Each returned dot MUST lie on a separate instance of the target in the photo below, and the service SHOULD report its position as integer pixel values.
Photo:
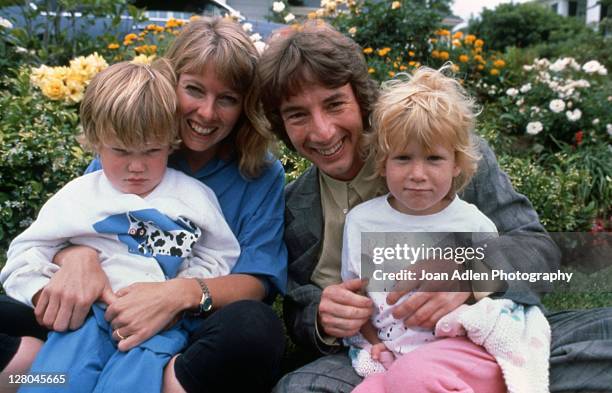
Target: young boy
(148, 222)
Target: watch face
(207, 305)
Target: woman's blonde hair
(133, 104)
(222, 44)
(429, 108)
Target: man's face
(325, 127)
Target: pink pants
(449, 365)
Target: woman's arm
(142, 310)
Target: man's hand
(342, 311)
(66, 300)
(431, 299)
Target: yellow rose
(75, 91)
(143, 59)
(54, 88)
(38, 74)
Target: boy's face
(134, 171)
(325, 127)
(420, 180)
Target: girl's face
(418, 180)
(209, 110)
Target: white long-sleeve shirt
(138, 238)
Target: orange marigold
(499, 63)
(464, 58)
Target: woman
(225, 145)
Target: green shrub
(522, 25)
(293, 163)
(401, 26)
(43, 40)
(38, 153)
(557, 193)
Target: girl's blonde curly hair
(430, 108)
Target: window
(572, 8)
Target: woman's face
(209, 110)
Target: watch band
(206, 301)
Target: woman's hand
(342, 312)
(66, 300)
(142, 310)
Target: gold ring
(119, 334)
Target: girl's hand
(381, 353)
(142, 310)
(377, 349)
(66, 300)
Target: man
(318, 96)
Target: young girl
(426, 152)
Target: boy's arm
(29, 264)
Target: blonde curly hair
(430, 108)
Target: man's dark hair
(314, 53)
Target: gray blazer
(523, 244)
